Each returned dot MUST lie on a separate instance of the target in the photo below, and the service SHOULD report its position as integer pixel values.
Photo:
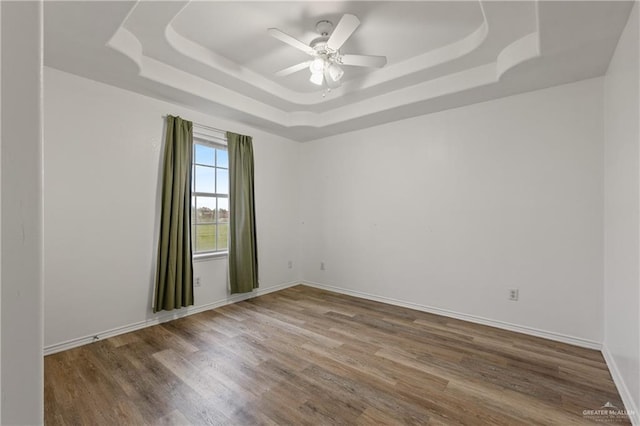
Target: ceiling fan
(325, 51)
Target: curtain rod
(202, 126)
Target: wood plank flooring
(304, 356)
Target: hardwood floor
(307, 356)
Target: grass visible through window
(206, 235)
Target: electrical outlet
(290, 264)
(514, 294)
(322, 266)
(197, 282)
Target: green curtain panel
(174, 278)
(243, 248)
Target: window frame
(214, 138)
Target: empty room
(318, 212)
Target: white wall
(102, 160)
(21, 180)
(452, 209)
(622, 215)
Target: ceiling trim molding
(290, 100)
(126, 43)
(459, 56)
(433, 58)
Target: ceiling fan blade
(331, 83)
(364, 60)
(347, 25)
(293, 69)
(286, 38)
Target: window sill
(207, 256)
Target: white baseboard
(623, 390)
(69, 344)
(577, 341)
(558, 337)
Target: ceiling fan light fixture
(316, 78)
(335, 72)
(317, 66)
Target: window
(210, 196)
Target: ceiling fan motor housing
(319, 44)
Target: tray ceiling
(218, 58)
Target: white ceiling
(216, 56)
